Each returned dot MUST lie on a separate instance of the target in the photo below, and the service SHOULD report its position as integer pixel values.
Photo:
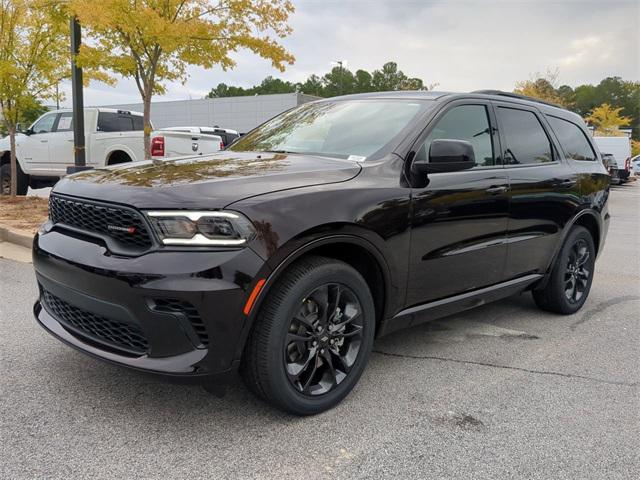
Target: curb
(17, 238)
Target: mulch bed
(23, 213)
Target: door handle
(496, 189)
(44, 141)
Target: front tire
(570, 281)
(5, 180)
(312, 337)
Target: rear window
(527, 142)
(573, 139)
(118, 122)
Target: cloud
(462, 45)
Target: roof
(404, 94)
(546, 107)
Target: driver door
(34, 148)
(459, 224)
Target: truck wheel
(572, 274)
(5, 180)
(312, 337)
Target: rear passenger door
(543, 188)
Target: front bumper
(177, 314)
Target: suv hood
(208, 182)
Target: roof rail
(517, 95)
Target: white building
(238, 113)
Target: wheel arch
(355, 251)
(118, 154)
(586, 218)
(119, 151)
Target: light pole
(77, 100)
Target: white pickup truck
(45, 149)
(182, 141)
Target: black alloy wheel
(324, 339)
(570, 279)
(577, 272)
(311, 338)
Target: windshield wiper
(280, 151)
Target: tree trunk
(146, 102)
(14, 162)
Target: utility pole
(77, 100)
(340, 84)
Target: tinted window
(45, 124)
(573, 139)
(526, 140)
(357, 128)
(114, 122)
(65, 122)
(138, 122)
(466, 122)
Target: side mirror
(445, 156)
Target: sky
(460, 45)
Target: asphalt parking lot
(504, 391)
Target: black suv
(334, 223)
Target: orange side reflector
(252, 298)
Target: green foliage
(585, 99)
(613, 91)
(338, 81)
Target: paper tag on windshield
(356, 158)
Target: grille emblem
(122, 229)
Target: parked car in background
(45, 149)
(339, 221)
(183, 141)
(635, 164)
(608, 160)
(620, 150)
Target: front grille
(118, 334)
(123, 225)
(173, 305)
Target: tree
(33, 108)
(388, 78)
(607, 120)
(153, 41)
(543, 87)
(34, 57)
(614, 91)
(339, 81)
(313, 86)
(363, 81)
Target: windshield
(353, 129)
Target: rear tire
(5, 180)
(570, 280)
(312, 337)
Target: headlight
(212, 228)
